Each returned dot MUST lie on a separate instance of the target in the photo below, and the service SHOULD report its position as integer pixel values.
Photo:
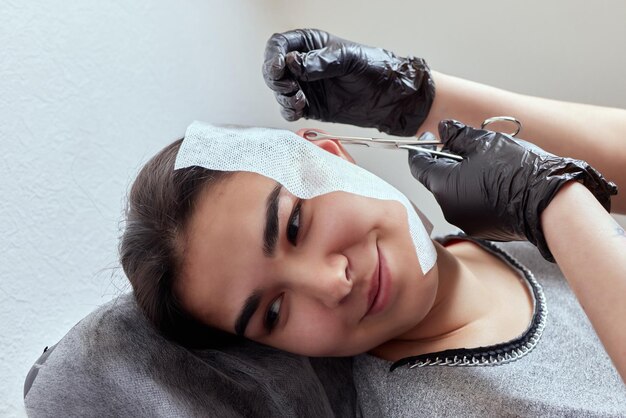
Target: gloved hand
(502, 185)
(319, 76)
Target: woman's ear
(331, 145)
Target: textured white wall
(90, 90)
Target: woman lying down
(259, 233)
(318, 257)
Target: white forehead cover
(304, 169)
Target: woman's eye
(294, 224)
(273, 314)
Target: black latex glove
(319, 76)
(502, 185)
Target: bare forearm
(591, 133)
(590, 248)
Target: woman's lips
(374, 284)
(378, 296)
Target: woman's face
(303, 275)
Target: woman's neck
(462, 303)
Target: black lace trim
(494, 354)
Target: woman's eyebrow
(270, 233)
(249, 308)
(270, 237)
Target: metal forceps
(414, 144)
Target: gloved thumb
(459, 138)
(427, 168)
(450, 129)
(317, 64)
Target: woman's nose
(328, 280)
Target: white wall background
(89, 90)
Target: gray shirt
(567, 373)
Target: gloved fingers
(427, 168)
(275, 77)
(322, 63)
(302, 40)
(276, 48)
(294, 103)
(289, 114)
(286, 86)
(462, 139)
(280, 44)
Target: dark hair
(160, 204)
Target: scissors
(414, 144)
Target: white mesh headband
(302, 168)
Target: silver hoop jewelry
(494, 119)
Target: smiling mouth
(382, 286)
(375, 284)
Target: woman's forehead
(227, 214)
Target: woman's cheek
(319, 337)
